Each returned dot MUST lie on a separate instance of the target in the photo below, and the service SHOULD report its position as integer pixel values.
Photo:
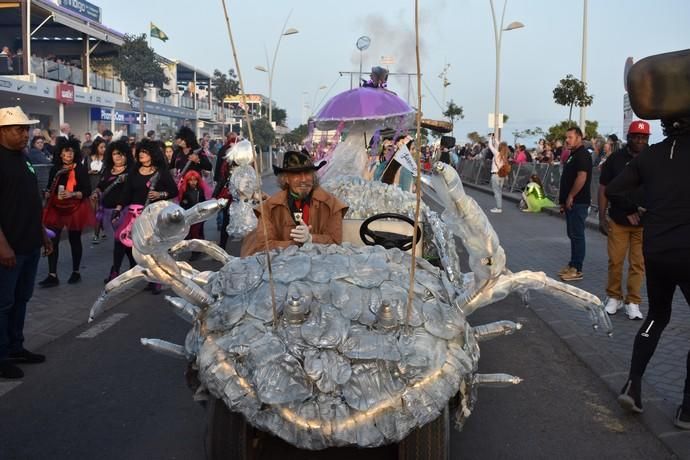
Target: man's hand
(7, 257)
(194, 157)
(569, 202)
(115, 216)
(300, 234)
(153, 195)
(603, 225)
(634, 218)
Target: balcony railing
(58, 71)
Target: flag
(157, 33)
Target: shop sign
(83, 8)
(204, 114)
(65, 93)
(121, 116)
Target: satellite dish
(363, 42)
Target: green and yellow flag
(157, 33)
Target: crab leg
(108, 298)
(203, 211)
(467, 220)
(164, 347)
(525, 280)
(209, 248)
(490, 331)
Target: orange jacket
(326, 214)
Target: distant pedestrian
(574, 198)
(21, 238)
(190, 194)
(662, 170)
(499, 171)
(38, 154)
(623, 227)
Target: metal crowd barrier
(478, 172)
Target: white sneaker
(633, 311)
(613, 305)
(496, 210)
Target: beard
(303, 190)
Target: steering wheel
(388, 240)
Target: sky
(455, 32)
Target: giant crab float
(322, 346)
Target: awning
(96, 30)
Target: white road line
(104, 325)
(6, 387)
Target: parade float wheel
(430, 441)
(228, 435)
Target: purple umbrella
(363, 104)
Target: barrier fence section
(478, 172)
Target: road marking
(6, 387)
(104, 325)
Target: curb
(658, 412)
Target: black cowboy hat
(295, 162)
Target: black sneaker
(74, 278)
(10, 371)
(156, 289)
(49, 281)
(630, 398)
(682, 419)
(26, 357)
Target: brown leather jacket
(325, 219)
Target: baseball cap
(639, 127)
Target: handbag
(504, 170)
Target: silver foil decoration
(349, 373)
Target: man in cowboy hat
(21, 236)
(301, 212)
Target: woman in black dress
(148, 181)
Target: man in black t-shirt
(574, 198)
(21, 237)
(623, 227)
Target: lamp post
(271, 70)
(583, 77)
(498, 34)
(313, 103)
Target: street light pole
(271, 71)
(583, 77)
(498, 35)
(316, 93)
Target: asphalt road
(107, 397)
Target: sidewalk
(538, 242)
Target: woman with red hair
(190, 193)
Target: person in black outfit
(21, 238)
(574, 198)
(189, 156)
(139, 189)
(117, 163)
(67, 206)
(662, 170)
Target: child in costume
(533, 197)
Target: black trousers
(74, 237)
(119, 252)
(223, 232)
(665, 272)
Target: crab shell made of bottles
(341, 360)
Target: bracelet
(164, 195)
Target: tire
(227, 433)
(432, 441)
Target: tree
(263, 133)
(139, 66)
(224, 85)
(297, 135)
(475, 138)
(572, 92)
(279, 116)
(536, 132)
(452, 112)
(558, 131)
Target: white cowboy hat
(12, 116)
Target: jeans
(497, 187)
(575, 226)
(16, 289)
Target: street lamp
(498, 33)
(313, 104)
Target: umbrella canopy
(363, 104)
